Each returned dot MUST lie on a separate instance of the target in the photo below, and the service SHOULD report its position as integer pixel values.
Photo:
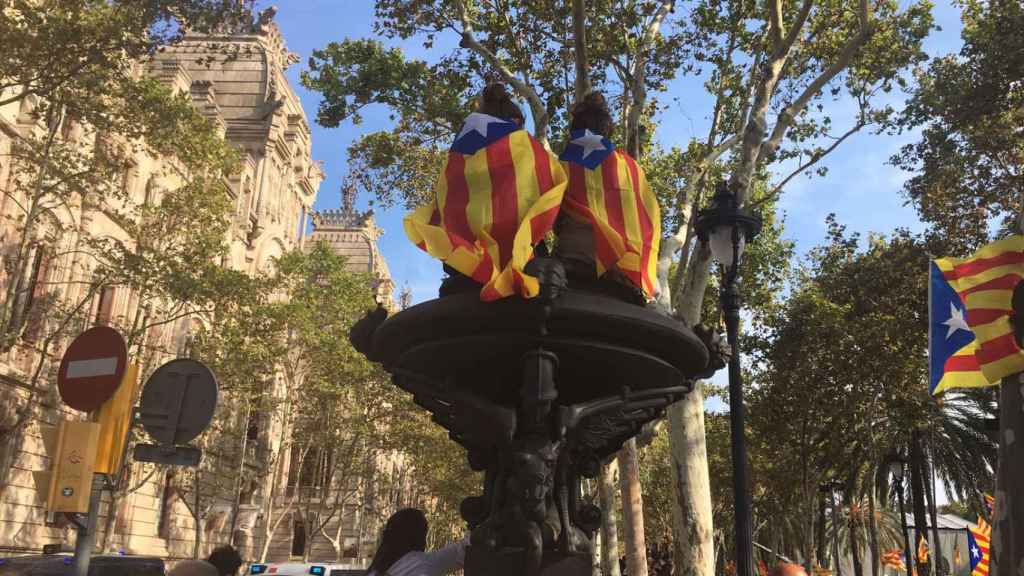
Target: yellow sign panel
(72, 470)
(115, 420)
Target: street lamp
(896, 467)
(727, 229)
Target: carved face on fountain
(534, 474)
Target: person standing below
(226, 559)
(402, 549)
(193, 568)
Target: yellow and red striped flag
(985, 283)
(978, 545)
(894, 559)
(608, 189)
(498, 194)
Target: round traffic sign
(92, 368)
(178, 401)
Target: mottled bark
(632, 510)
(609, 532)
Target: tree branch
(579, 30)
(537, 108)
(814, 159)
(775, 26)
(798, 25)
(790, 112)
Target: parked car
(63, 565)
(305, 569)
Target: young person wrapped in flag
(610, 224)
(497, 196)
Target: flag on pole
(990, 505)
(922, 550)
(978, 542)
(957, 558)
(951, 342)
(608, 190)
(498, 194)
(985, 283)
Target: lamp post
(727, 228)
(897, 465)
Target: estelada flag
(985, 284)
(609, 190)
(978, 545)
(922, 550)
(498, 194)
(951, 342)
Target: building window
(35, 292)
(311, 473)
(298, 538)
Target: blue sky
(860, 187)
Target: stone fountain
(540, 392)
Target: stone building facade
(249, 98)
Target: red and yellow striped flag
(497, 196)
(922, 550)
(985, 283)
(608, 189)
(979, 543)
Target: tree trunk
(855, 549)
(917, 493)
(692, 520)
(579, 32)
(808, 549)
(632, 510)
(609, 533)
(873, 532)
(935, 552)
(197, 515)
(821, 552)
(1008, 531)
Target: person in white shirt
(402, 549)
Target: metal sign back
(178, 402)
(170, 455)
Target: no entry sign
(92, 368)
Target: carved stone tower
(354, 235)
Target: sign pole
(86, 537)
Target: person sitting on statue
(610, 223)
(497, 196)
(402, 549)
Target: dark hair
(592, 113)
(405, 531)
(226, 559)
(495, 101)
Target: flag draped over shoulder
(978, 543)
(985, 283)
(498, 194)
(609, 190)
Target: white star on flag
(975, 552)
(589, 142)
(956, 321)
(477, 122)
